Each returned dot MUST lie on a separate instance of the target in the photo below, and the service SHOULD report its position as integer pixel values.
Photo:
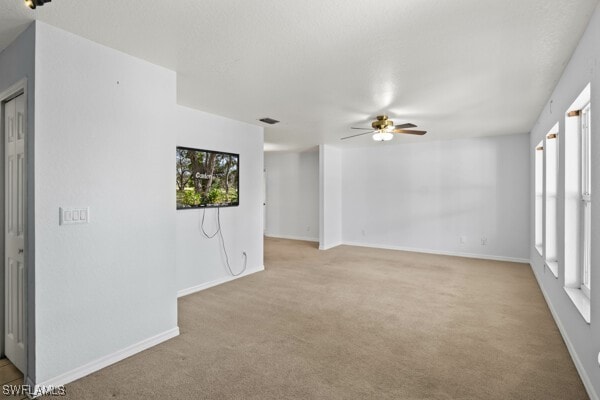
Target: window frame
(586, 198)
(550, 223)
(576, 145)
(539, 179)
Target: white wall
(582, 339)
(426, 196)
(200, 261)
(104, 139)
(17, 62)
(330, 197)
(109, 125)
(292, 206)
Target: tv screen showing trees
(207, 178)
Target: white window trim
(539, 198)
(581, 302)
(577, 203)
(550, 199)
(586, 198)
(553, 267)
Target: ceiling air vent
(269, 121)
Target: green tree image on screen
(206, 178)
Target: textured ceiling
(460, 68)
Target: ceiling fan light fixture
(383, 129)
(382, 136)
(34, 3)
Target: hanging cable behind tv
(219, 232)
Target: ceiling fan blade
(364, 129)
(358, 134)
(404, 126)
(409, 131)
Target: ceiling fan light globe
(378, 137)
(387, 136)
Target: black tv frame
(237, 203)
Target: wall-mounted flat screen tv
(207, 178)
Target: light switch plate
(74, 215)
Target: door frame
(264, 202)
(19, 88)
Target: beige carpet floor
(355, 323)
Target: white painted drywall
(330, 197)
(582, 339)
(17, 62)
(200, 261)
(292, 206)
(105, 138)
(426, 196)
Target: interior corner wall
(582, 339)
(442, 197)
(330, 197)
(17, 62)
(292, 195)
(105, 139)
(200, 261)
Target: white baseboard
(444, 253)
(330, 246)
(292, 237)
(206, 285)
(585, 378)
(103, 362)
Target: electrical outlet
(483, 241)
(308, 229)
(362, 231)
(462, 239)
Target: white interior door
(14, 269)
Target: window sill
(581, 302)
(539, 249)
(553, 266)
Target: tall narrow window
(578, 203)
(539, 197)
(586, 198)
(551, 198)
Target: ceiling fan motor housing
(382, 122)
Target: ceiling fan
(383, 129)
